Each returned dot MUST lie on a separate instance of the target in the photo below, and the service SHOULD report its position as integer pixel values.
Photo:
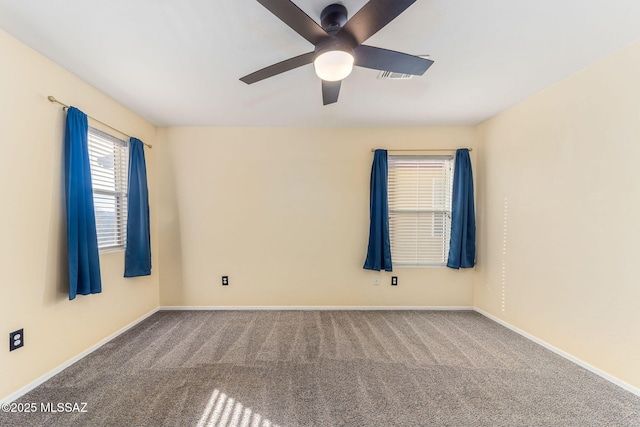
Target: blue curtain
(379, 251)
(137, 258)
(462, 248)
(82, 239)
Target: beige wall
(559, 215)
(33, 282)
(285, 214)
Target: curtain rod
(65, 106)
(423, 149)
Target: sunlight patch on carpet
(223, 410)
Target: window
(109, 160)
(420, 189)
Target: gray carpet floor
(326, 368)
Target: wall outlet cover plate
(16, 339)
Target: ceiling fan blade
(330, 92)
(295, 18)
(390, 60)
(280, 67)
(373, 16)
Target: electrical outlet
(16, 339)
(376, 280)
(394, 280)
(225, 280)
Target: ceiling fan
(338, 43)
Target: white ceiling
(177, 63)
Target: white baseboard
(316, 307)
(562, 353)
(24, 390)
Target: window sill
(419, 266)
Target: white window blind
(109, 160)
(420, 190)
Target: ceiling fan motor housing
(333, 17)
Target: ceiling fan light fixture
(333, 65)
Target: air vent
(390, 75)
